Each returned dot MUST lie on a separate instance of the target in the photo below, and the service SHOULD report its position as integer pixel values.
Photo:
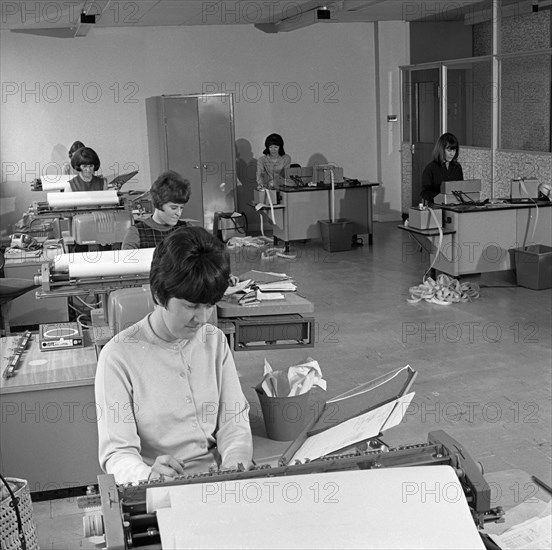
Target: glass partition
(469, 97)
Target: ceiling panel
(268, 15)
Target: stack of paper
(263, 277)
(262, 296)
(257, 286)
(242, 286)
(267, 281)
(278, 286)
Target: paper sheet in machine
(415, 507)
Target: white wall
(315, 86)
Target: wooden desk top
(41, 370)
(292, 303)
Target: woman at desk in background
(172, 375)
(443, 167)
(271, 166)
(86, 162)
(67, 168)
(170, 192)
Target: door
(426, 122)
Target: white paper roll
(54, 182)
(83, 198)
(105, 263)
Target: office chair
(10, 289)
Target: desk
(48, 429)
(27, 310)
(270, 324)
(299, 208)
(480, 239)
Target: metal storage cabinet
(194, 136)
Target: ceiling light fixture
(86, 22)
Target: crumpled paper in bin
(296, 380)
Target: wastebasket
(533, 265)
(15, 524)
(337, 236)
(284, 417)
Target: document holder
(371, 396)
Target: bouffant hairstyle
(85, 155)
(170, 187)
(189, 264)
(274, 139)
(75, 147)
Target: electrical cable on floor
(445, 290)
(259, 242)
(278, 252)
(255, 242)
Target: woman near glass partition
(443, 167)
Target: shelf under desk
(269, 325)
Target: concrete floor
(484, 368)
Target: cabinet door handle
(196, 167)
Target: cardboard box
(421, 218)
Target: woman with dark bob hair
(86, 162)
(271, 166)
(443, 167)
(175, 371)
(170, 192)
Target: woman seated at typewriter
(67, 168)
(169, 397)
(443, 167)
(86, 162)
(272, 165)
(169, 193)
